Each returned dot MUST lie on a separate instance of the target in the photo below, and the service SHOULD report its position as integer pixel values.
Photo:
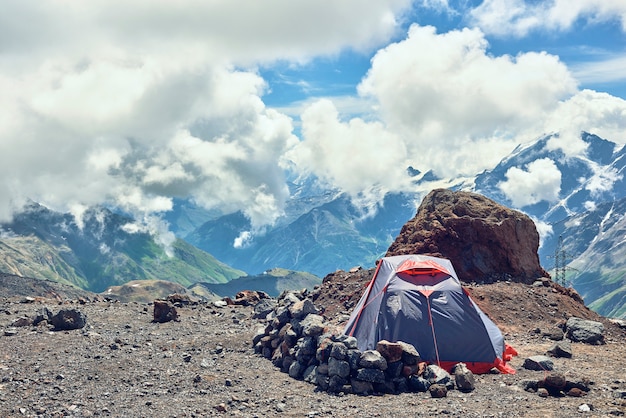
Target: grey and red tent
(419, 299)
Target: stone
(336, 383)
(248, 297)
(348, 341)
(302, 308)
(360, 387)
(180, 300)
(10, 332)
(164, 311)
(394, 369)
(410, 355)
(464, 378)
(23, 321)
(312, 325)
(305, 349)
(371, 375)
(68, 319)
(561, 349)
(288, 298)
(372, 359)
(438, 391)
(338, 368)
(309, 374)
(575, 392)
(338, 351)
(585, 331)
(392, 352)
(554, 383)
(282, 315)
(264, 308)
(354, 357)
(44, 314)
(295, 370)
(386, 386)
(220, 303)
(540, 363)
(418, 383)
(436, 375)
(555, 334)
(485, 241)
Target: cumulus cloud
(132, 104)
(519, 17)
(591, 111)
(539, 180)
(357, 156)
(459, 108)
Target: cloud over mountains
(135, 104)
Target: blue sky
(584, 45)
(135, 104)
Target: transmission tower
(561, 258)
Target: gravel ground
(124, 365)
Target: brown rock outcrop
(485, 241)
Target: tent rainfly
(419, 299)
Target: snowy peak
(550, 180)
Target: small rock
(582, 330)
(22, 322)
(68, 319)
(372, 359)
(371, 375)
(392, 352)
(338, 368)
(576, 392)
(263, 308)
(464, 378)
(561, 349)
(538, 363)
(438, 391)
(221, 407)
(302, 308)
(312, 325)
(164, 311)
(361, 387)
(10, 332)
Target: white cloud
(134, 103)
(357, 156)
(609, 69)
(591, 111)
(540, 180)
(519, 17)
(458, 108)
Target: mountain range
(99, 252)
(578, 207)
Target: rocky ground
(121, 364)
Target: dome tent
(418, 299)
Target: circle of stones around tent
(298, 341)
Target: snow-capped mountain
(549, 183)
(575, 196)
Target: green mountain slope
(100, 253)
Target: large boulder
(484, 240)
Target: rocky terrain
(124, 364)
(113, 359)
